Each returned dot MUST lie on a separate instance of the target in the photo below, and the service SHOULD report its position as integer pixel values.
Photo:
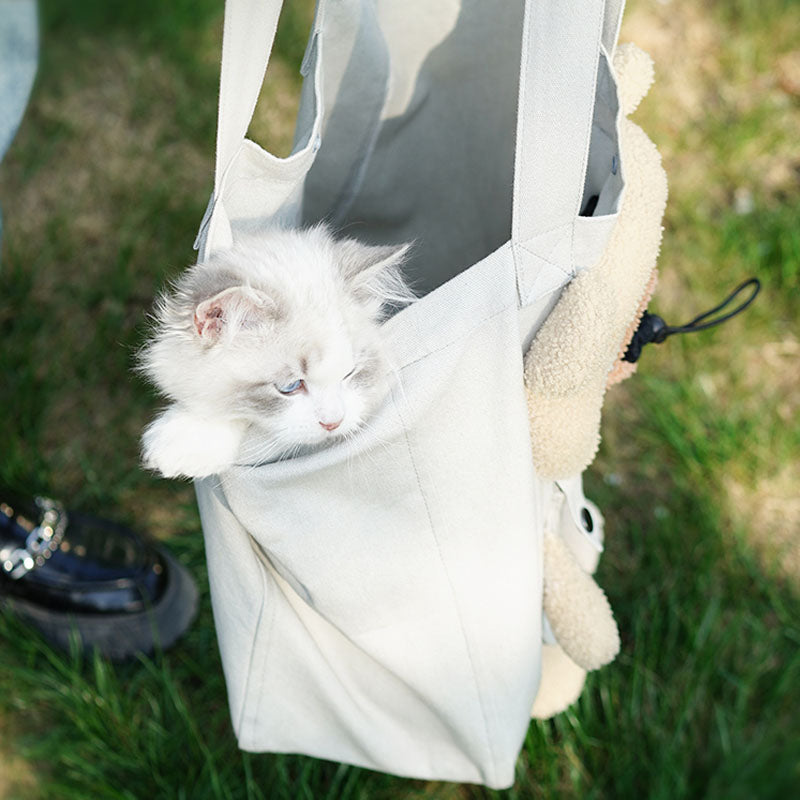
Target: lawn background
(698, 475)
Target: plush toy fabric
(575, 356)
(577, 350)
(577, 608)
(582, 629)
(561, 684)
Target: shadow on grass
(700, 703)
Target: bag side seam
(481, 704)
(254, 647)
(462, 335)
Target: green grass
(102, 193)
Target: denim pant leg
(19, 52)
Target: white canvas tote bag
(379, 603)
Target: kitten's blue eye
(291, 388)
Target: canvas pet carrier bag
(379, 602)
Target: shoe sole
(120, 636)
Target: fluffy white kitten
(278, 337)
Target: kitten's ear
(374, 273)
(230, 309)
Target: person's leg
(65, 572)
(19, 53)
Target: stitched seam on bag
(568, 275)
(535, 297)
(359, 743)
(546, 254)
(462, 335)
(544, 231)
(253, 647)
(284, 587)
(481, 704)
(524, 285)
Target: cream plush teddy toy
(582, 632)
(574, 357)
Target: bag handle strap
(612, 22)
(550, 78)
(247, 38)
(561, 49)
(558, 70)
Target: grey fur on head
(279, 336)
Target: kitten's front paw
(178, 444)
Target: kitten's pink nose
(331, 426)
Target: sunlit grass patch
(767, 239)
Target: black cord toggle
(652, 328)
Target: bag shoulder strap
(611, 24)
(248, 35)
(558, 73)
(561, 47)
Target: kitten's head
(281, 331)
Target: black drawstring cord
(653, 329)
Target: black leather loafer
(65, 571)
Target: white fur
(278, 307)
(179, 444)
